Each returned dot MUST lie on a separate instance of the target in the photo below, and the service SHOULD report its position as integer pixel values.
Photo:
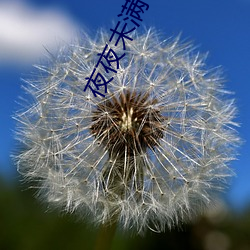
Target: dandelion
(152, 153)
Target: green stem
(105, 236)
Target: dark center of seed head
(128, 124)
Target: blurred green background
(27, 225)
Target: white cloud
(25, 31)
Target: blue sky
(221, 27)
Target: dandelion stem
(105, 236)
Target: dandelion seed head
(152, 153)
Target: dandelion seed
(151, 154)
